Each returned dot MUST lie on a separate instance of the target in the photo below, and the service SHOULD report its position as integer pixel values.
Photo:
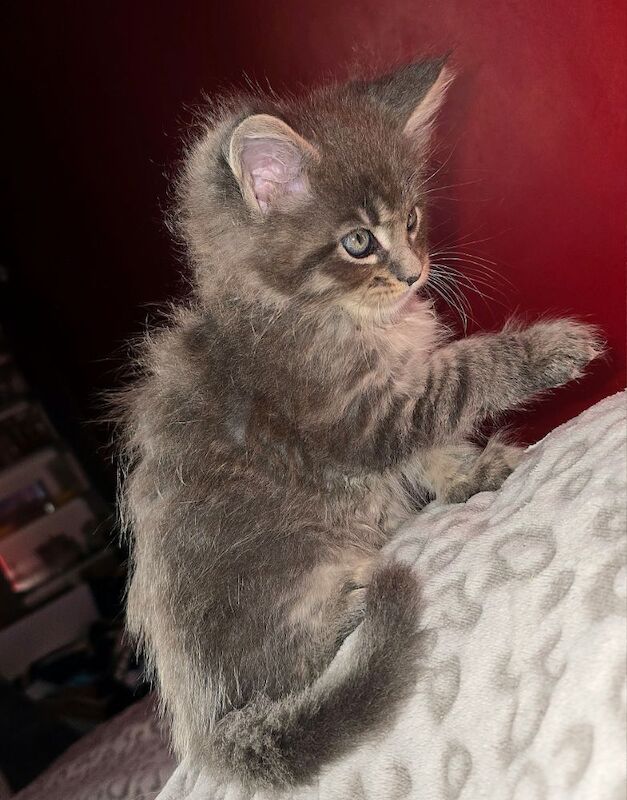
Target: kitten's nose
(412, 279)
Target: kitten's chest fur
(374, 503)
(264, 432)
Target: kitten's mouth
(411, 299)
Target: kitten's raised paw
(560, 350)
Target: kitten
(290, 417)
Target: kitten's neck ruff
(409, 340)
(411, 323)
(319, 355)
(409, 304)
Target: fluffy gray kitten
(289, 418)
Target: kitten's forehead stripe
(371, 210)
(385, 215)
(383, 237)
(377, 211)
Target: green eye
(412, 219)
(359, 243)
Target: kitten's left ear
(413, 94)
(268, 159)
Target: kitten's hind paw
(495, 464)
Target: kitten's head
(317, 203)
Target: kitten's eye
(359, 243)
(412, 219)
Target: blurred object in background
(63, 660)
(53, 524)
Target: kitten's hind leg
(352, 612)
(477, 470)
(331, 599)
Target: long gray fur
(282, 427)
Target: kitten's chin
(410, 303)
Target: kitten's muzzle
(410, 268)
(418, 280)
(411, 300)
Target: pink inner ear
(273, 168)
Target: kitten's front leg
(472, 379)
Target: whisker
(476, 275)
(444, 164)
(450, 274)
(481, 265)
(451, 296)
(447, 301)
(465, 253)
(460, 298)
(467, 241)
(450, 186)
(488, 298)
(472, 261)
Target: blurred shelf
(46, 629)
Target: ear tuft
(422, 118)
(413, 94)
(268, 160)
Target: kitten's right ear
(268, 160)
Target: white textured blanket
(522, 695)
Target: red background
(98, 94)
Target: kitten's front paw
(560, 350)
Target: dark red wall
(97, 95)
